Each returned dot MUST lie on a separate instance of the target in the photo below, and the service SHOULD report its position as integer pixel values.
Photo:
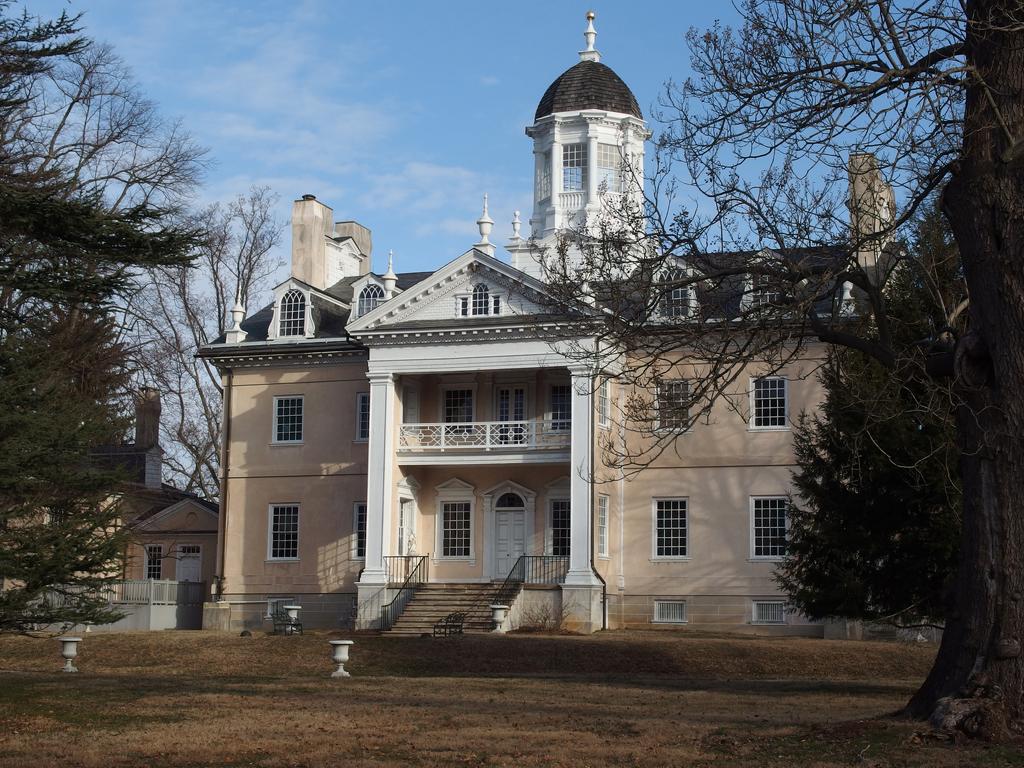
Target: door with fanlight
(509, 533)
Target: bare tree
(805, 100)
(181, 309)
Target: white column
(591, 165)
(580, 536)
(379, 481)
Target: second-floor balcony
(485, 436)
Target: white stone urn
(498, 615)
(339, 655)
(293, 617)
(69, 650)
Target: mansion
(399, 445)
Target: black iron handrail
(417, 575)
(398, 567)
(527, 569)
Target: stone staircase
(432, 602)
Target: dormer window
(292, 314)
(478, 302)
(764, 290)
(677, 300)
(370, 297)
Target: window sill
(768, 429)
(361, 440)
(284, 443)
(671, 559)
(765, 559)
(604, 557)
(281, 560)
(677, 623)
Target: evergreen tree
(67, 258)
(875, 526)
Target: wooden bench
(450, 625)
(285, 624)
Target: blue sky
(400, 115)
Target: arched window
(509, 500)
(292, 314)
(481, 300)
(369, 298)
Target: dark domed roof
(588, 85)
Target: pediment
(471, 290)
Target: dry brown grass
(177, 699)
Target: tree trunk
(977, 682)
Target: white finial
(485, 224)
(390, 279)
(516, 224)
(235, 334)
(590, 53)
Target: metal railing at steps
(417, 574)
(528, 569)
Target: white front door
(509, 539)
(190, 563)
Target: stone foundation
(335, 610)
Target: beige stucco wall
(325, 475)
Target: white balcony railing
(486, 436)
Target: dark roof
(127, 460)
(329, 320)
(588, 85)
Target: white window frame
(603, 506)
(686, 615)
(456, 499)
(274, 424)
(362, 397)
(549, 544)
(753, 540)
(362, 300)
(270, 531)
(755, 618)
(662, 427)
(654, 529)
(355, 530)
(542, 182)
(751, 425)
(575, 155)
(604, 403)
(549, 410)
(456, 387)
(159, 559)
(610, 175)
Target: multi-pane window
(609, 167)
(574, 167)
(363, 416)
(602, 525)
(543, 191)
(288, 419)
(670, 611)
(458, 406)
(284, 531)
(481, 300)
(292, 314)
(560, 526)
(769, 612)
(369, 298)
(604, 403)
(673, 403)
(769, 406)
(456, 528)
(678, 298)
(670, 528)
(155, 561)
(764, 290)
(359, 528)
(561, 406)
(769, 526)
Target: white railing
(156, 592)
(486, 436)
(571, 200)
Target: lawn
(618, 698)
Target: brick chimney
(147, 434)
